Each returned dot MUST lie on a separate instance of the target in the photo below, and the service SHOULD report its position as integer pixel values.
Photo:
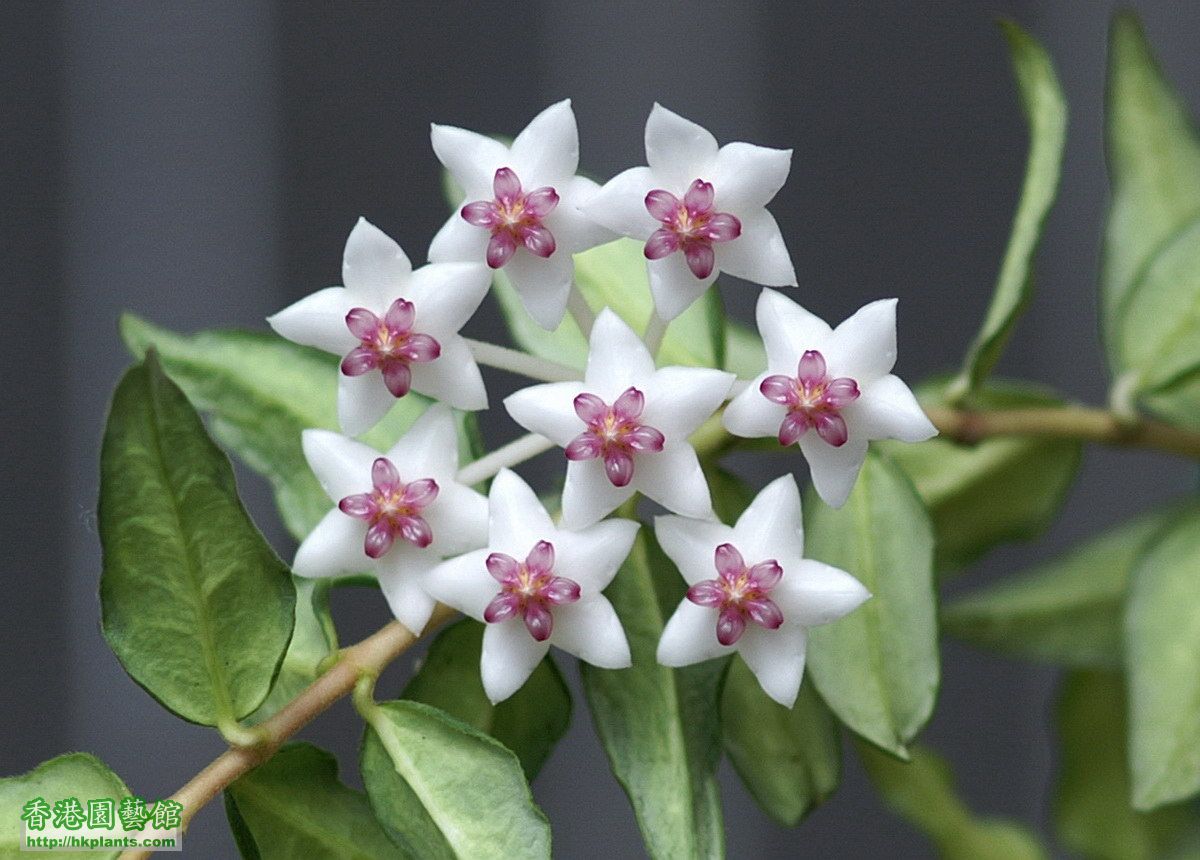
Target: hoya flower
(700, 210)
(396, 514)
(625, 426)
(751, 590)
(535, 586)
(521, 209)
(830, 390)
(395, 329)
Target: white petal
(692, 545)
(863, 347)
(459, 241)
(750, 415)
(374, 268)
(318, 320)
(362, 401)
(573, 231)
(833, 470)
(759, 254)
(446, 295)
(776, 657)
(673, 478)
(543, 284)
(788, 330)
(548, 410)
(342, 465)
(429, 446)
(588, 495)
(771, 527)
(678, 150)
(509, 657)
(620, 204)
(690, 636)
(617, 358)
(453, 377)
(471, 158)
(746, 176)
(680, 399)
(813, 593)
(401, 573)
(517, 519)
(592, 557)
(887, 409)
(673, 285)
(333, 548)
(463, 583)
(591, 630)
(458, 518)
(547, 150)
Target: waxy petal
(618, 466)
(690, 544)
(541, 201)
(342, 465)
(673, 478)
(422, 348)
(767, 574)
(629, 405)
(362, 323)
(617, 358)
(759, 253)
(333, 548)
(764, 612)
(888, 410)
(504, 568)
(384, 475)
(748, 176)
(318, 320)
(864, 345)
(588, 495)
(561, 590)
(361, 506)
(662, 243)
(397, 376)
(689, 636)
(540, 558)
(400, 316)
(793, 426)
(678, 150)
(620, 204)
(590, 408)
(699, 197)
(516, 517)
(506, 186)
(700, 258)
(460, 582)
(722, 227)
(509, 657)
(454, 379)
(787, 329)
(728, 561)
(645, 439)
(585, 446)
(832, 428)
(538, 621)
(500, 249)
(662, 205)
(503, 607)
(674, 286)
(779, 389)
(811, 369)
(538, 240)
(841, 391)
(379, 540)
(420, 493)
(358, 361)
(834, 470)
(481, 213)
(547, 149)
(374, 267)
(471, 158)
(708, 592)
(731, 624)
(751, 415)
(593, 555)
(816, 593)
(401, 580)
(776, 657)
(362, 402)
(544, 283)
(416, 531)
(548, 410)
(772, 527)
(591, 630)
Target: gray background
(203, 163)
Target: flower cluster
(407, 514)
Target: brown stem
(1084, 423)
(368, 657)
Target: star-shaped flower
(625, 426)
(396, 514)
(521, 210)
(395, 328)
(752, 591)
(700, 210)
(830, 390)
(536, 586)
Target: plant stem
(1084, 423)
(512, 454)
(522, 363)
(581, 310)
(366, 659)
(656, 330)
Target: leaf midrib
(301, 823)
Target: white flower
(395, 328)
(536, 586)
(520, 212)
(397, 514)
(752, 591)
(625, 426)
(700, 211)
(831, 390)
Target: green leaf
(922, 792)
(530, 722)
(77, 775)
(614, 276)
(1067, 611)
(1092, 812)
(877, 668)
(1000, 490)
(1178, 401)
(293, 805)
(730, 494)
(1045, 110)
(1162, 655)
(193, 600)
(660, 726)
(1159, 328)
(789, 759)
(443, 789)
(262, 392)
(1153, 165)
(313, 639)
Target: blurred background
(202, 164)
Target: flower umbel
(613, 433)
(812, 400)
(690, 225)
(514, 218)
(389, 345)
(392, 509)
(529, 589)
(741, 594)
